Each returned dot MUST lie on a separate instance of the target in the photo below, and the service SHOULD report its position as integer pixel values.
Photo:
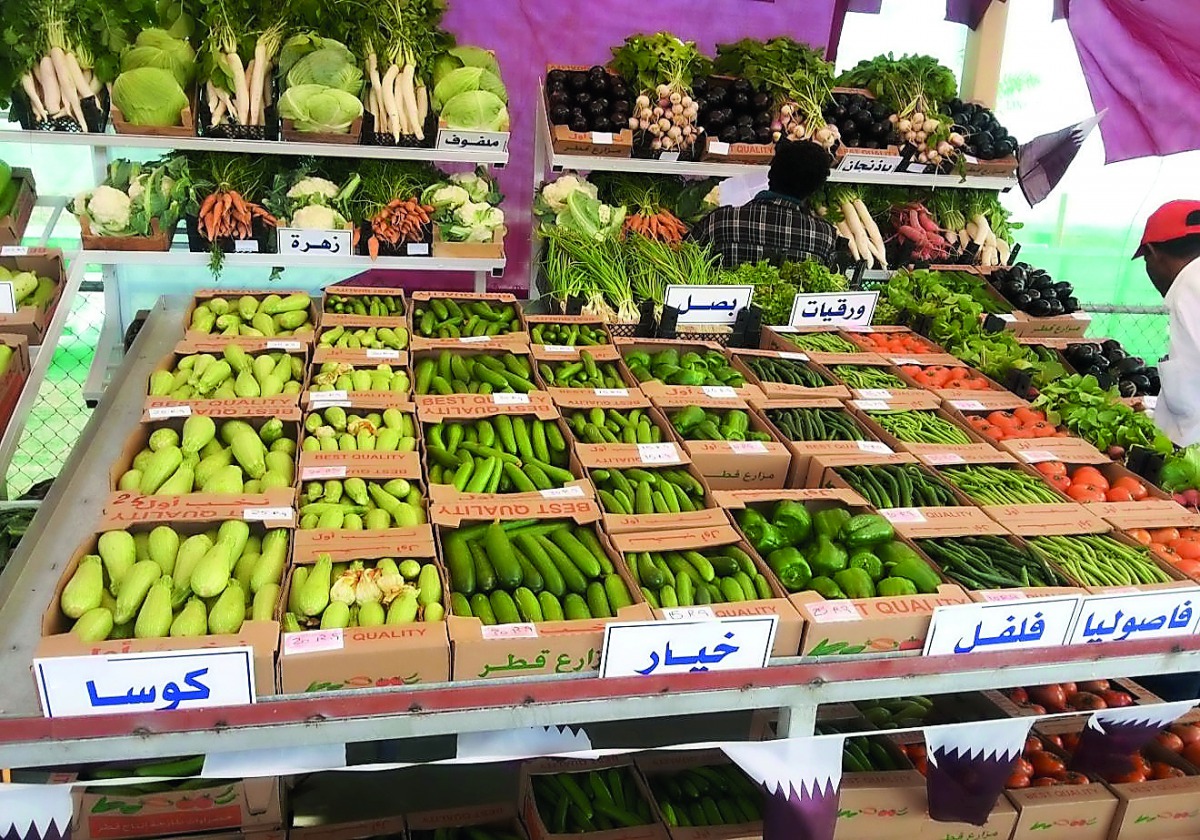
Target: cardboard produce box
(909, 370)
(1063, 812)
(12, 382)
(594, 322)
(1021, 324)
(31, 321)
(655, 766)
(1157, 509)
(423, 359)
(231, 297)
(1063, 448)
(348, 544)
(844, 372)
(732, 464)
(430, 407)
(994, 594)
(921, 401)
(652, 457)
(615, 144)
(359, 356)
(274, 505)
(803, 451)
(58, 640)
(248, 807)
(875, 339)
(786, 338)
(395, 320)
(12, 226)
(550, 360)
(532, 817)
(881, 805)
(788, 630)
(548, 647)
(576, 404)
(350, 362)
(163, 407)
(364, 463)
(420, 300)
(656, 388)
(364, 657)
(501, 817)
(783, 390)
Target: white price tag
(475, 339)
(327, 397)
(1157, 614)
(126, 683)
(510, 631)
(903, 360)
(748, 447)
(997, 596)
(611, 392)
(381, 353)
(315, 244)
(874, 393)
(165, 412)
(795, 357)
(669, 156)
(1007, 318)
(281, 344)
(558, 348)
(658, 453)
(1081, 316)
(417, 249)
(266, 514)
(1037, 456)
(716, 147)
(875, 446)
(245, 246)
(642, 648)
(1006, 625)
(688, 614)
(312, 641)
(870, 405)
(602, 138)
(14, 251)
(573, 491)
(941, 459)
(720, 392)
(8, 299)
(968, 405)
(321, 473)
(500, 398)
(828, 612)
(901, 516)
(1150, 403)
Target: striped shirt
(769, 227)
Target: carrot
(373, 247)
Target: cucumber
(530, 576)
(504, 607)
(459, 605)
(551, 608)
(589, 539)
(481, 607)
(617, 592)
(485, 575)
(528, 605)
(652, 576)
(573, 579)
(502, 557)
(588, 565)
(460, 564)
(537, 557)
(597, 601)
(575, 608)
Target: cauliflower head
(555, 194)
(308, 188)
(108, 209)
(476, 187)
(317, 217)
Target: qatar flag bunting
(1113, 736)
(801, 780)
(35, 812)
(968, 764)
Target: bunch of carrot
(664, 226)
(400, 220)
(225, 213)
(941, 377)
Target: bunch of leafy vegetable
(135, 195)
(315, 195)
(1181, 471)
(573, 203)
(791, 73)
(650, 60)
(775, 288)
(1098, 416)
(909, 84)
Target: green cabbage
(304, 43)
(476, 110)
(444, 65)
(466, 79)
(316, 108)
(156, 48)
(149, 96)
(327, 67)
(477, 57)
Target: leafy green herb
(662, 58)
(1098, 416)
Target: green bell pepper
(794, 520)
(902, 562)
(867, 529)
(826, 588)
(829, 558)
(791, 568)
(856, 583)
(828, 523)
(688, 418)
(869, 562)
(764, 536)
(892, 587)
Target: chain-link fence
(59, 414)
(1142, 330)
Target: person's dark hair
(1184, 248)
(799, 168)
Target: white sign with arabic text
(645, 648)
(834, 309)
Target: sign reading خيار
(645, 648)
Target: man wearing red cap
(1171, 247)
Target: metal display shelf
(794, 686)
(258, 147)
(180, 258)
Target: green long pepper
(816, 424)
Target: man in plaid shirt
(776, 224)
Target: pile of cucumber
(450, 318)
(695, 578)
(499, 455)
(644, 491)
(482, 373)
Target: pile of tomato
(894, 343)
(1178, 546)
(944, 378)
(1069, 697)
(1041, 766)
(1020, 423)
(1087, 484)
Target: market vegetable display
(340, 376)
(689, 368)
(645, 491)
(784, 371)
(950, 378)
(989, 485)
(353, 504)
(696, 423)
(862, 377)
(776, 287)
(1018, 424)
(502, 454)
(720, 794)
(920, 427)
(1100, 560)
(334, 430)
(136, 198)
(820, 342)
(160, 582)
(568, 335)
(584, 373)
(209, 457)
(307, 201)
(599, 800)
(365, 338)
(450, 318)
(238, 54)
(321, 83)
(1178, 546)
(531, 571)
(484, 373)
(1087, 484)
(985, 137)
(989, 562)
(687, 578)
(834, 553)
(1098, 416)
(899, 343)
(29, 288)
(266, 317)
(375, 306)
(592, 100)
(815, 424)
(370, 593)
(1109, 362)
(1034, 291)
(598, 425)
(467, 207)
(237, 373)
(897, 486)
(734, 112)
(472, 97)
(233, 187)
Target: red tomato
(1072, 778)
(1051, 468)
(1082, 492)
(1033, 744)
(1170, 741)
(1141, 535)
(1115, 699)
(1191, 568)
(1189, 733)
(1017, 781)
(1053, 697)
(1023, 766)
(1162, 770)
(1118, 494)
(1053, 740)
(1192, 752)
(1135, 487)
(1045, 781)
(1018, 695)
(1090, 475)
(1164, 535)
(1085, 701)
(1046, 763)
(1186, 549)
(1069, 742)
(1095, 685)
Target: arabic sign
(121, 683)
(642, 648)
(8, 300)
(876, 164)
(315, 243)
(490, 141)
(840, 309)
(1137, 615)
(1007, 625)
(708, 304)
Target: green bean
(814, 424)
(1099, 560)
(862, 377)
(988, 485)
(785, 371)
(990, 562)
(821, 342)
(920, 427)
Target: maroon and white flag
(35, 812)
(968, 764)
(1113, 736)
(801, 779)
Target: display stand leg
(798, 721)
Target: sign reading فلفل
(708, 304)
(156, 681)
(652, 648)
(834, 309)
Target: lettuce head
(465, 79)
(476, 110)
(317, 108)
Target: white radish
(858, 231)
(218, 113)
(872, 231)
(225, 106)
(982, 229)
(422, 104)
(82, 87)
(951, 238)
(70, 96)
(844, 232)
(406, 126)
(51, 95)
(388, 87)
(251, 67)
(210, 96)
(241, 90)
(35, 101)
(257, 71)
(408, 92)
(1005, 250)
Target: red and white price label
(475, 339)
(267, 514)
(558, 348)
(748, 447)
(833, 611)
(165, 412)
(689, 614)
(903, 360)
(898, 516)
(1000, 595)
(940, 459)
(874, 393)
(500, 398)
(312, 641)
(510, 631)
(795, 357)
(658, 453)
(318, 473)
(327, 397)
(871, 405)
